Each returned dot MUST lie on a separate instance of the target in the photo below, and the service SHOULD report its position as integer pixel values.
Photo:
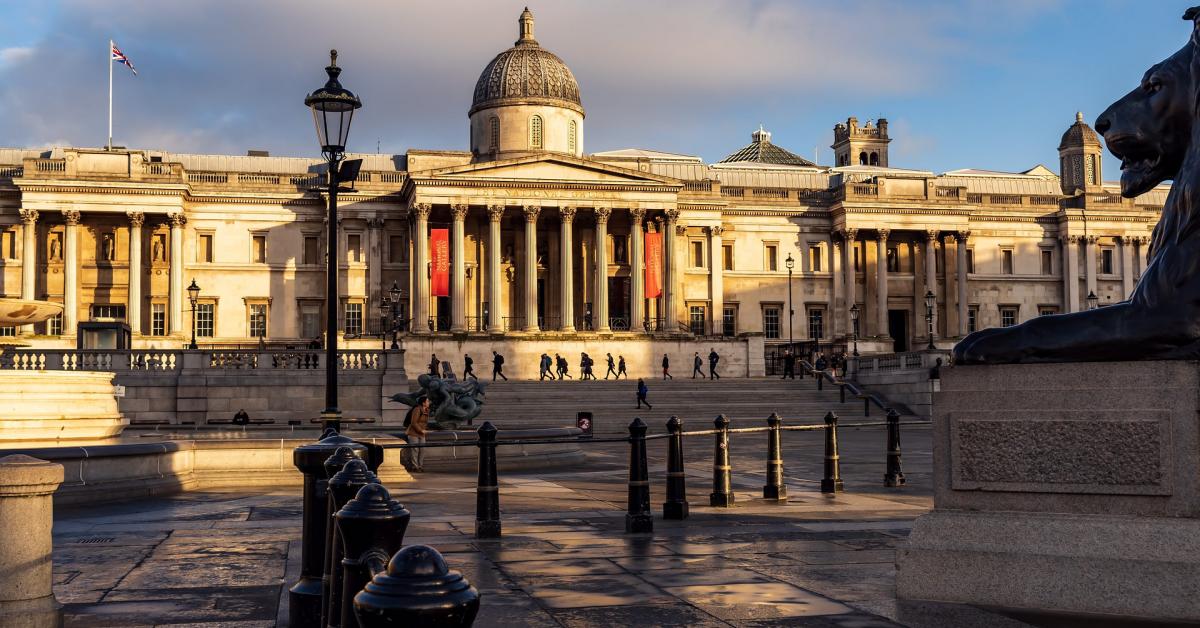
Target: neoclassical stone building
(545, 238)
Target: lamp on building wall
(333, 108)
(790, 263)
(193, 297)
(854, 325)
(930, 303)
(1093, 301)
(395, 300)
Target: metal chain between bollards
(638, 518)
(775, 488)
(676, 506)
(722, 493)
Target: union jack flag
(120, 57)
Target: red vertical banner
(654, 266)
(439, 248)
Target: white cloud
(14, 55)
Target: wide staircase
(613, 404)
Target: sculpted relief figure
(156, 249)
(109, 247)
(1153, 130)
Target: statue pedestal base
(1066, 488)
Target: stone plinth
(56, 405)
(26, 519)
(1063, 488)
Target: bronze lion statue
(1153, 131)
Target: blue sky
(970, 84)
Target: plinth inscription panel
(1095, 452)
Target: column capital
(1091, 239)
(495, 211)
(136, 219)
(883, 234)
(849, 235)
(375, 223)
(932, 235)
(531, 212)
(459, 211)
(637, 213)
(1143, 240)
(567, 213)
(177, 220)
(961, 236)
(680, 230)
(421, 210)
(602, 214)
(29, 216)
(716, 231)
(70, 216)
(672, 215)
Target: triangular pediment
(549, 168)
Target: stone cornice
(537, 185)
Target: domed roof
(1079, 134)
(526, 74)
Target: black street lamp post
(930, 303)
(193, 297)
(395, 303)
(1093, 301)
(790, 263)
(854, 324)
(333, 108)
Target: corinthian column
(1127, 273)
(960, 239)
(531, 314)
(881, 285)
(637, 271)
(28, 259)
(420, 297)
(566, 268)
(495, 321)
(716, 279)
(849, 276)
(668, 315)
(133, 314)
(71, 272)
(176, 290)
(602, 214)
(931, 238)
(1089, 255)
(458, 306)
(1071, 273)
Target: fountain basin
(58, 405)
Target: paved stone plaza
(227, 558)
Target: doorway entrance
(898, 329)
(618, 303)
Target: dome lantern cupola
(1080, 158)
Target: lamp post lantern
(193, 297)
(930, 303)
(790, 263)
(333, 108)
(854, 324)
(1093, 301)
(395, 301)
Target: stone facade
(547, 238)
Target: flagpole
(109, 56)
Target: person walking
(498, 366)
(666, 364)
(642, 390)
(560, 363)
(434, 365)
(789, 365)
(697, 366)
(821, 364)
(713, 358)
(621, 367)
(469, 367)
(417, 428)
(544, 368)
(612, 367)
(585, 367)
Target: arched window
(874, 159)
(862, 158)
(495, 131)
(571, 138)
(535, 132)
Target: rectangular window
(353, 247)
(816, 324)
(771, 322)
(8, 244)
(204, 248)
(893, 259)
(620, 252)
(1008, 316)
(972, 319)
(310, 320)
(729, 321)
(772, 254)
(1047, 310)
(1047, 262)
(971, 261)
(257, 322)
(7, 331)
(1106, 261)
(54, 326)
(1006, 261)
(697, 254)
(158, 319)
(354, 319)
(727, 257)
(857, 258)
(814, 255)
(205, 319)
(397, 249)
(697, 319)
(258, 249)
(110, 311)
(312, 250)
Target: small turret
(863, 146)
(1080, 158)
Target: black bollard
(637, 517)
(722, 494)
(842, 392)
(820, 381)
(487, 492)
(866, 406)
(343, 486)
(832, 482)
(333, 465)
(418, 589)
(676, 506)
(775, 488)
(304, 610)
(371, 527)
(893, 476)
